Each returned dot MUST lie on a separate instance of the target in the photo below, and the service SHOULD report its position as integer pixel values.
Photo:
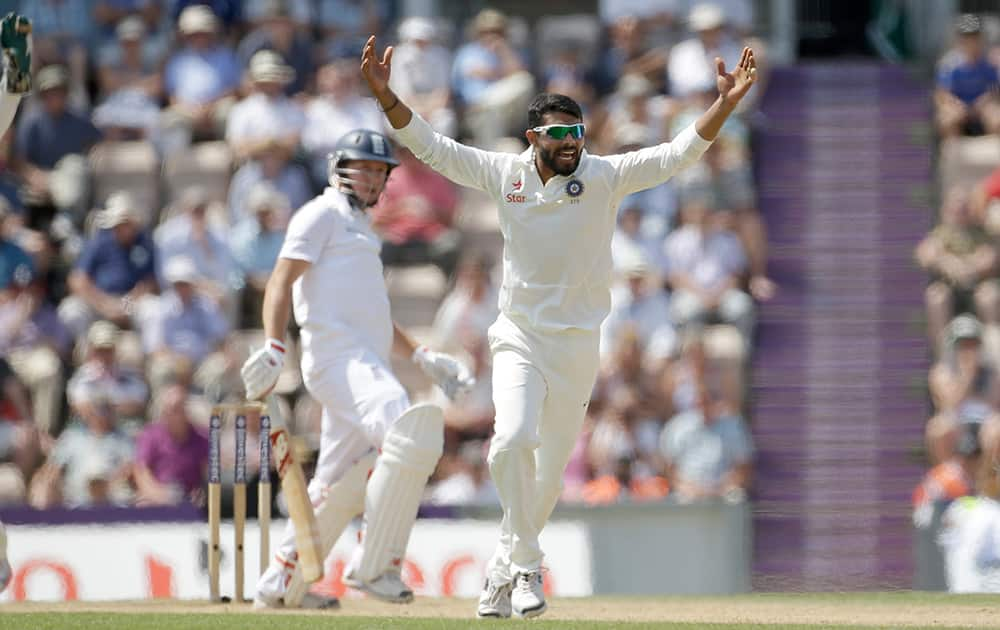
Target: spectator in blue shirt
(275, 30)
(57, 20)
(89, 463)
(256, 243)
(230, 12)
(273, 165)
(186, 328)
(708, 450)
(190, 234)
(115, 271)
(202, 77)
(351, 19)
(16, 267)
(967, 84)
(50, 146)
(107, 14)
(62, 32)
(489, 78)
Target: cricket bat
(293, 484)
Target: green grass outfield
(764, 611)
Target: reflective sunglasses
(559, 132)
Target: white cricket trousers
(542, 384)
(361, 399)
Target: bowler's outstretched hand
(375, 72)
(734, 85)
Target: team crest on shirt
(574, 188)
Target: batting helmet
(359, 144)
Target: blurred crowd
(962, 256)
(147, 182)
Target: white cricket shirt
(341, 300)
(557, 237)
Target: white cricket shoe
(528, 599)
(310, 601)
(388, 587)
(5, 571)
(494, 601)
(264, 601)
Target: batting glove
(450, 374)
(261, 370)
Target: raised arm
(652, 166)
(464, 165)
(376, 73)
(733, 86)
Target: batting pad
(410, 452)
(341, 502)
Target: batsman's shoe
(528, 599)
(388, 587)
(5, 572)
(15, 41)
(494, 601)
(310, 601)
(264, 601)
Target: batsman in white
(557, 207)
(330, 272)
(15, 42)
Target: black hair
(546, 102)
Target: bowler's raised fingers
(744, 58)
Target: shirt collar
(345, 205)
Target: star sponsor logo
(515, 195)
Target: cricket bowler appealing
(557, 207)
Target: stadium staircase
(839, 403)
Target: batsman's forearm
(398, 112)
(710, 123)
(277, 304)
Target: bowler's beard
(548, 158)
